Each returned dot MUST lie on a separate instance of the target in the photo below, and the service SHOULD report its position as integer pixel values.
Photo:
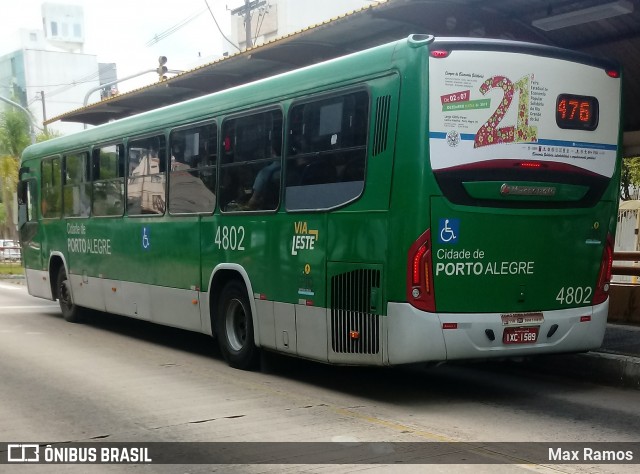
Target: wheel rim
(236, 324)
(65, 296)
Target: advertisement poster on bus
(489, 105)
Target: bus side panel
(358, 243)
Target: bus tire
(234, 327)
(70, 311)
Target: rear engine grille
(354, 328)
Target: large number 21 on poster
(490, 133)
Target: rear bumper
(417, 336)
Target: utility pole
(44, 112)
(249, 6)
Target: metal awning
(617, 38)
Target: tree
(630, 179)
(14, 138)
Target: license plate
(526, 335)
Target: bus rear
(523, 148)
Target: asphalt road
(119, 380)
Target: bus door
(28, 229)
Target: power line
(220, 29)
(262, 14)
(245, 10)
(63, 87)
(173, 29)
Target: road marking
(471, 446)
(6, 286)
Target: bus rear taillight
(420, 292)
(601, 292)
(532, 165)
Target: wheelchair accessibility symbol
(449, 230)
(146, 242)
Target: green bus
(430, 199)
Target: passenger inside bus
(266, 186)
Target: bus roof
(264, 91)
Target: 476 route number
(574, 295)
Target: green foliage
(14, 138)
(14, 132)
(11, 268)
(630, 177)
(48, 135)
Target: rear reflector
(449, 325)
(439, 53)
(601, 292)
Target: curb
(12, 277)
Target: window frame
(86, 181)
(122, 167)
(163, 158)
(216, 165)
(277, 107)
(320, 97)
(43, 162)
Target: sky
(120, 30)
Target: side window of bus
(147, 176)
(326, 153)
(192, 178)
(251, 162)
(76, 194)
(108, 173)
(51, 188)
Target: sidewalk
(622, 339)
(617, 362)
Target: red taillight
(417, 264)
(601, 292)
(420, 275)
(439, 53)
(530, 164)
(613, 73)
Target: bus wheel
(70, 311)
(234, 328)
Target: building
(273, 18)
(47, 70)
